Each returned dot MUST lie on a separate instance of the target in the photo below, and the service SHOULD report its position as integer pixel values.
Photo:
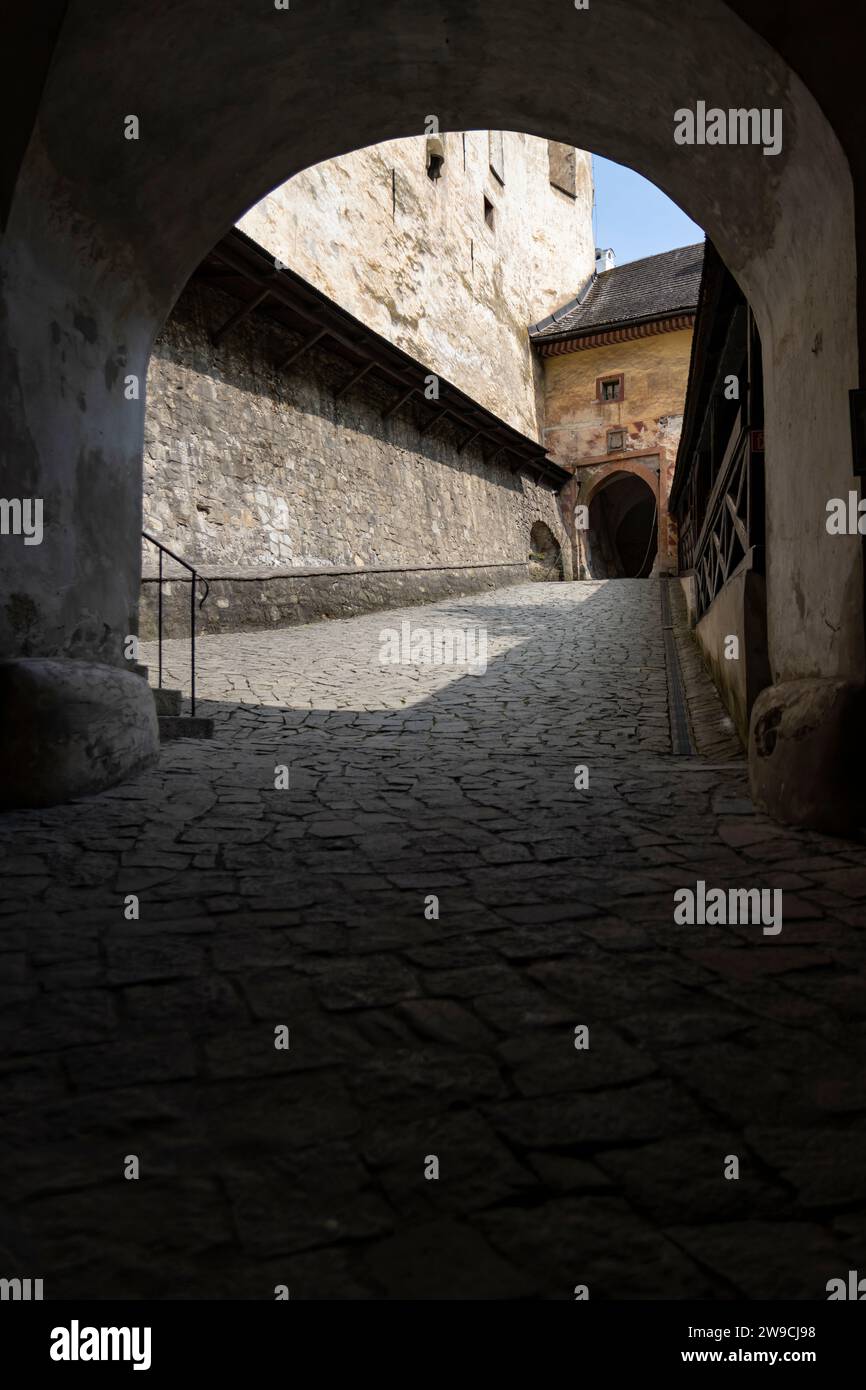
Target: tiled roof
(652, 287)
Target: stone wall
(253, 599)
(251, 474)
(451, 269)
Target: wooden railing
(715, 544)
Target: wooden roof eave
(238, 266)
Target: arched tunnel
(288, 873)
(622, 536)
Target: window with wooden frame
(610, 388)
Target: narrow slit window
(435, 158)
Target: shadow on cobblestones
(413, 1035)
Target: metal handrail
(196, 577)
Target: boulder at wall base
(70, 727)
(807, 754)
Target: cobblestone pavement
(412, 1036)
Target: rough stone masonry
(299, 505)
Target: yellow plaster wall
(656, 372)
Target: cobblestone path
(413, 1036)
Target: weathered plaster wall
(415, 259)
(655, 371)
(248, 469)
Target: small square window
(609, 388)
(615, 441)
(489, 213)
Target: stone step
(166, 701)
(172, 726)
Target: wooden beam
(740, 529)
(392, 409)
(217, 336)
(353, 381)
(282, 295)
(217, 278)
(301, 349)
(442, 415)
(470, 439)
(523, 464)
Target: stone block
(807, 754)
(167, 701)
(68, 728)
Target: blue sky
(634, 217)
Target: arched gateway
(109, 216)
(622, 536)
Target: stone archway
(622, 537)
(104, 231)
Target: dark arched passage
(622, 538)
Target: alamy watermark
(77, 1343)
(846, 516)
(437, 646)
(22, 516)
(736, 126)
(20, 1290)
(851, 1288)
(720, 907)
